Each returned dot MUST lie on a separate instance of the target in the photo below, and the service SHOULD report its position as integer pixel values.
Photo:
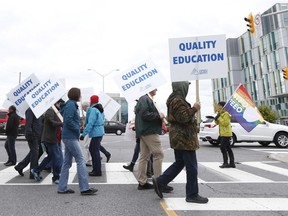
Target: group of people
(182, 135)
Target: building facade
(257, 60)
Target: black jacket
(12, 124)
(50, 127)
(33, 126)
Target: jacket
(181, 117)
(147, 118)
(50, 127)
(224, 122)
(71, 120)
(12, 124)
(94, 122)
(33, 126)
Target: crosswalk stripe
(181, 177)
(234, 174)
(114, 173)
(271, 168)
(231, 204)
(9, 173)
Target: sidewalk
(279, 156)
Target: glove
(217, 116)
(81, 137)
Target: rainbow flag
(243, 110)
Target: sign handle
(57, 113)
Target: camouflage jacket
(183, 125)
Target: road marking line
(9, 173)
(234, 174)
(230, 204)
(268, 167)
(169, 212)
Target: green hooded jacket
(181, 117)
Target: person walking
(11, 133)
(49, 139)
(33, 131)
(223, 119)
(70, 138)
(148, 128)
(184, 141)
(95, 129)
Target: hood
(179, 89)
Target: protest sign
(195, 58)
(45, 95)
(110, 106)
(243, 110)
(17, 96)
(139, 80)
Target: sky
(66, 38)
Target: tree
(268, 114)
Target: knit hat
(94, 99)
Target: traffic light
(285, 73)
(251, 25)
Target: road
(258, 185)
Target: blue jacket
(71, 121)
(94, 122)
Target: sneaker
(224, 165)
(56, 181)
(68, 191)
(146, 186)
(197, 199)
(157, 188)
(35, 175)
(90, 191)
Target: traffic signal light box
(285, 73)
(251, 25)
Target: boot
(232, 165)
(129, 167)
(225, 165)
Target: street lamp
(103, 75)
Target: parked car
(4, 119)
(264, 133)
(114, 127)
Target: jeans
(54, 157)
(136, 151)
(94, 149)
(10, 148)
(32, 156)
(73, 149)
(189, 160)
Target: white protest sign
(45, 95)
(109, 104)
(86, 93)
(139, 80)
(17, 96)
(195, 58)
